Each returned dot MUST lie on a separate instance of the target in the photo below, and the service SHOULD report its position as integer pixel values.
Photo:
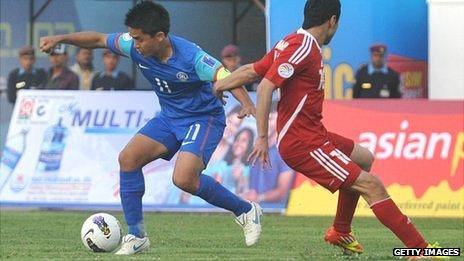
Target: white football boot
(133, 245)
(251, 223)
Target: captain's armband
(221, 73)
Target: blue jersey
(184, 83)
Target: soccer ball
(101, 233)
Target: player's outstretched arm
(89, 40)
(248, 107)
(239, 93)
(211, 70)
(243, 75)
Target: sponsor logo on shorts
(187, 143)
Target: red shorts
(329, 165)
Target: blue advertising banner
(401, 25)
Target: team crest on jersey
(182, 76)
(286, 70)
(126, 37)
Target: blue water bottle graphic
(52, 148)
(13, 151)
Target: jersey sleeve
(263, 65)
(120, 43)
(289, 62)
(208, 68)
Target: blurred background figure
(237, 170)
(376, 79)
(26, 76)
(110, 78)
(84, 68)
(271, 184)
(233, 124)
(60, 77)
(231, 59)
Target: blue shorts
(198, 135)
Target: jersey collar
(303, 31)
(174, 50)
(21, 71)
(173, 56)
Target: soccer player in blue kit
(191, 120)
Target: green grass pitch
(38, 235)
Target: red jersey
(295, 66)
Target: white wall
(446, 49)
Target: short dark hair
(26, 50)
(317, 12)
(151, 18)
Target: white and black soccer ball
(101, 232)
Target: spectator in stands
(25, 77)
(60, 77)
(84, 68)
(110, 78)
(231, 59)
(376, 79)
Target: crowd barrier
(419, 151)
(62, 151)
(62, 148)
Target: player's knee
(185, 183)
(368, 161)
(127, 161)
(365, 159)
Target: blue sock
(215, 194)
(132, 188)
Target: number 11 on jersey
(164, 87)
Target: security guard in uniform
(110, 78)
(25, 77)
(375, 79)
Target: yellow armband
(221, 73)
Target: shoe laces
(128, 238)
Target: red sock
(346, 207)
(390, 215)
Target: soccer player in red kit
(295, 66)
